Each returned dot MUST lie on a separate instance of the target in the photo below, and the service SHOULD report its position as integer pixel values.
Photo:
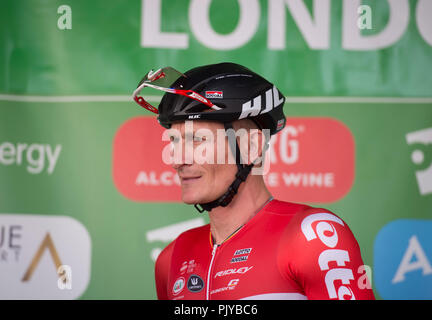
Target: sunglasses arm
(187, 93)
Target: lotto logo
(324, 229)
(214, 94)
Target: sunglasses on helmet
(163, 79)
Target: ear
(257, 142)
(255, 149)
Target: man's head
(201, 155)
(220, 98)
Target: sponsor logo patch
(242, 251)
(195, 283)
(239, 259)
(243, 255)
(214, 94)
(232, 284)
(178, 285)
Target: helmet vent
(199, 107)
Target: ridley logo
(326, 232)
(214, 94)
(241, 270)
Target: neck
(251, 197)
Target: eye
(199, 139)
(174, 139)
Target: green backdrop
(66, 79)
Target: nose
(181, 155)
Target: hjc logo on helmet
(254, 107)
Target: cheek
(225, 175)
(210, 174)
(219, 177)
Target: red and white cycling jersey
(286, 251)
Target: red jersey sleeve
(320, 253)
(162, 268)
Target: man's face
(204, 174)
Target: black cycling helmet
(223, 92)
(237, 91)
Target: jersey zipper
(209, 271)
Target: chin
(198, 197)
(191, 197)
(189, 200)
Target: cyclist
(255, 246)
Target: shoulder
(164, 260)
(304, 219)
(317, 249)
(193, 235)
(309, 234)
(319, 227)
(285, 208)
(189, 236)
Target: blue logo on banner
(403, 260)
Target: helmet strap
(241, 175)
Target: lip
(191, 179)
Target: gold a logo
(47, 243)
